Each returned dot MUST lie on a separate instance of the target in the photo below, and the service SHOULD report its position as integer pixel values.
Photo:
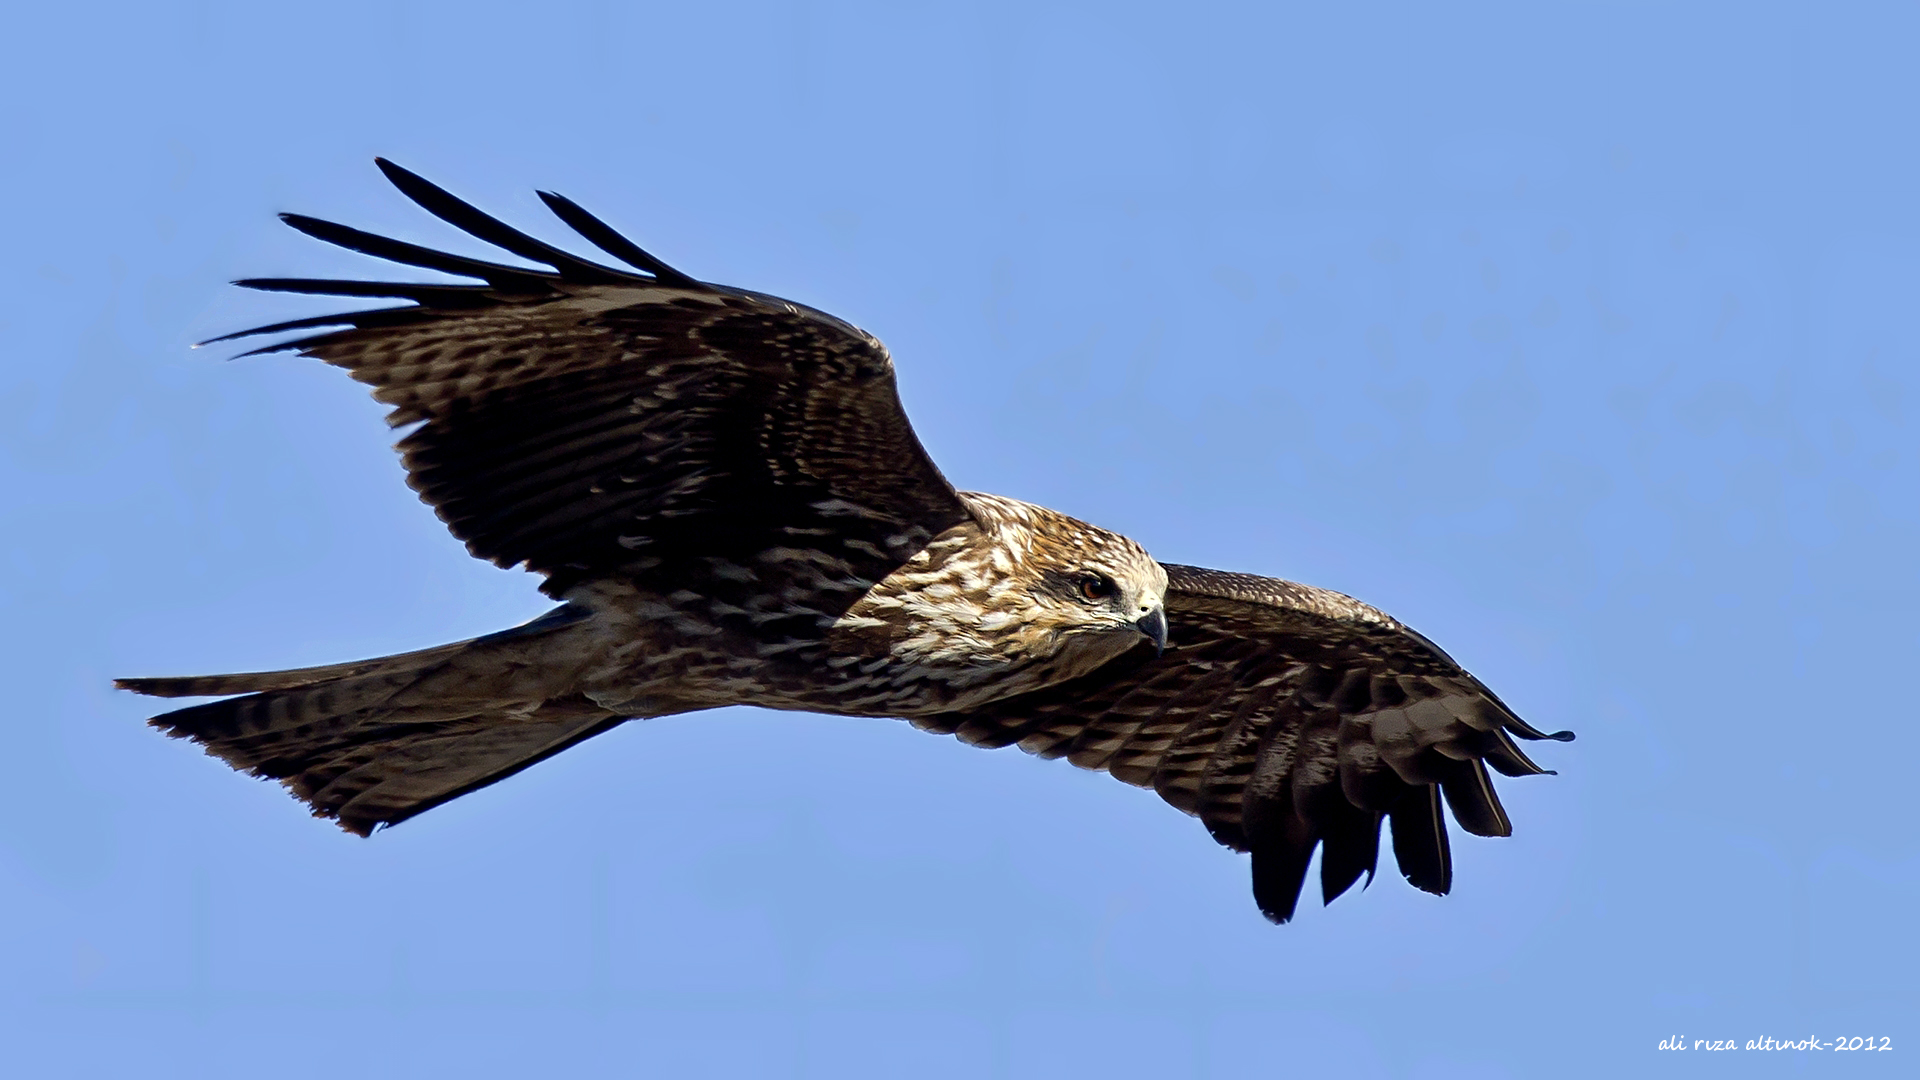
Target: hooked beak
(1154, 625)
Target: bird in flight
(721, 490)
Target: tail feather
(249, 731)
(254, 682)
(293, 678)
(422, 769)
(374, 742)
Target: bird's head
(1076, 583)
(1017, 599)
(1059, 587)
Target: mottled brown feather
(568, 420)
(1285, 717)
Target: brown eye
(1096, 586)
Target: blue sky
(1578, 336)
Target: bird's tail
(374, 742)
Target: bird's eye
(1096, 586)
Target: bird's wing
(1284, 717)
(587, 421)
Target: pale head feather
(1019, 598)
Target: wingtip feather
(1420, 843)
(463, 215)
(610, 240)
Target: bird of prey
(721, 490)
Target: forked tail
(374, 742)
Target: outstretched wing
(589, 422)
(1285, 717)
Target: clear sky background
(1581, 339)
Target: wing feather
(1420, 841)
(603, 236)
(502, 278)
(1288, 719)
(469, 219)
(586, 421)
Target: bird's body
(954, 627)
(723, 493)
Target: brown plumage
(723, 491)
